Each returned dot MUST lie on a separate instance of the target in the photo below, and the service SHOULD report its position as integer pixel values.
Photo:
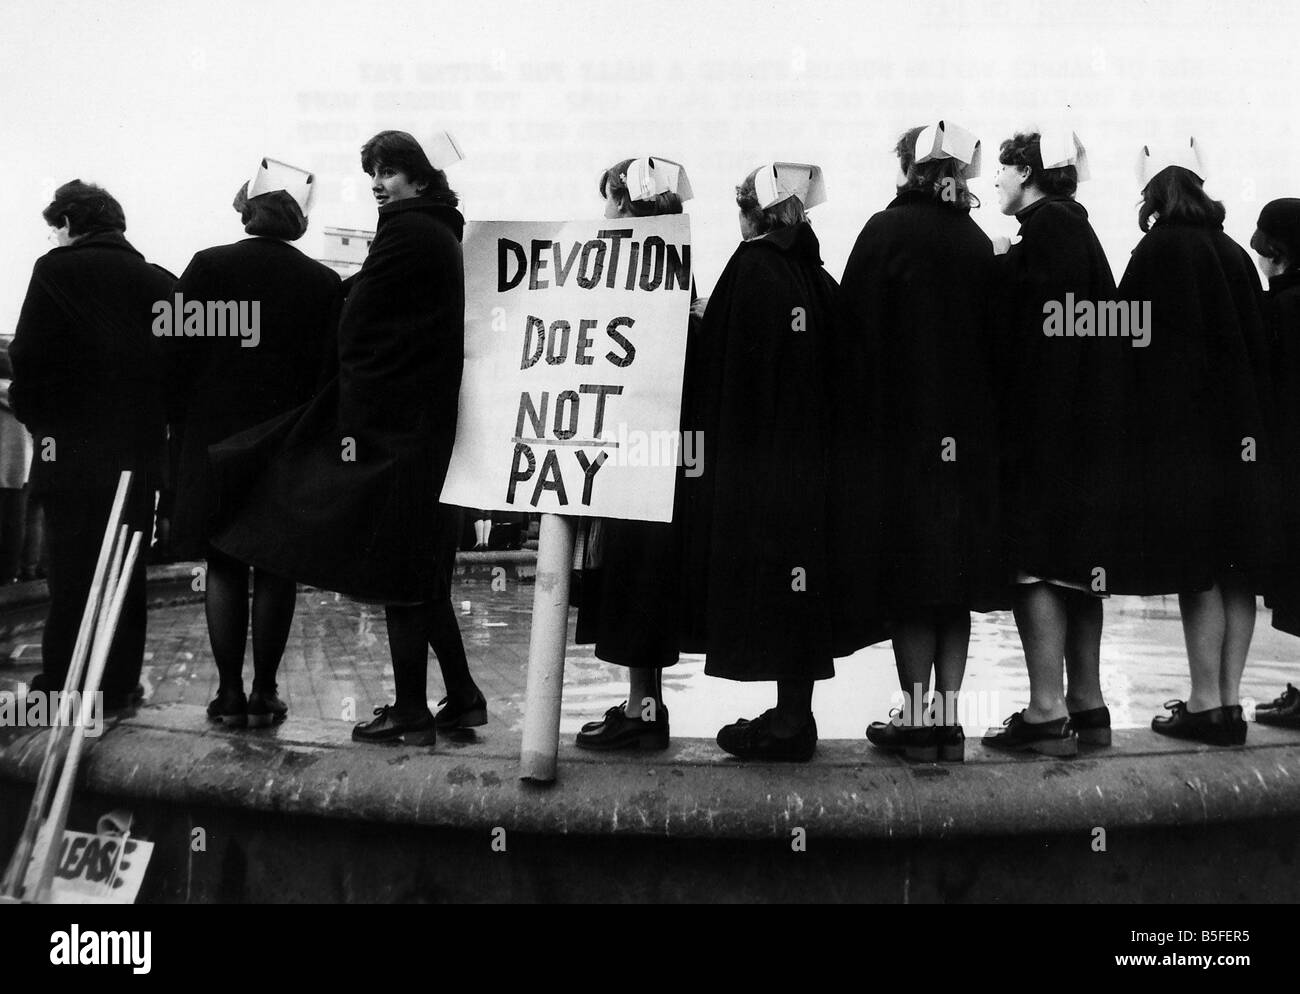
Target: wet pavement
(336, 666)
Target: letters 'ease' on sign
(575, 340)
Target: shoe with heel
(470, 715)
(265, 708)
(1216, 726)
(1048, 738)
(390, 726)
(1092, 726)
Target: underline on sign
(562, 441)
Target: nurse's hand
(698, 305)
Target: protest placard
(575, 340)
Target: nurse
(220, 386)
(1202, 456)
(762, 565)
(631, 602)
(1277, 245)
(1062, 425)
(917, 292)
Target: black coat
(1062, 401)
(1200, 388)
(1283, 312)
(219, 387)
(918, 293)
(763, 568)
(342, 493)
(631, 606)
(86, 367)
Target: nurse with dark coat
(1277, 243)
(343, 493)
(1201, 465)
(917, 291)
(1062, 425)
(221, 386)
(761, 562)
(631, 604)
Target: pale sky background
(170, 104)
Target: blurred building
(345, 249)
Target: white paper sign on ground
(575, 340)
(107, 867)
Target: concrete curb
(310, 768)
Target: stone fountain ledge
(311, 768)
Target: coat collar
(1286, 281)
(915, 198)
(449, 215)
(101, 240)
(797, 240)
(1028, 212)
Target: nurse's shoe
(1213, 727)
(389, 726)
(265, 708)
(755, 739)
(619, 730)
(1284, 712)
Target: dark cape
(342, 493)
(918, 293)
(766, 574)
(631, 606)
(1199, 469)
(86, 374)
(1061, 400)
(219, 387)
(1283, 312)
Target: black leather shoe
(1210, 727)
(755, 740)
(1051, 738)
(391, 726)
(1092, 726)
(471, 715)
(951, 740)
(230, 707)
(1235, 723)
(917, 742)
(265, 708)
(619, 730)
(1284, 712)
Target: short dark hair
(1177, 194)
(87, 207)
(1025, 150)
(399, 150)
(1273, 248)
(932, 177)
(1277, 232)
(614, 179)
(271, 215)
(788, 213)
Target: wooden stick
(547, 638)
(45, 858)
(17, 868)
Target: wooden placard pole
(45, 856)
(546, 645)
(12, 884)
